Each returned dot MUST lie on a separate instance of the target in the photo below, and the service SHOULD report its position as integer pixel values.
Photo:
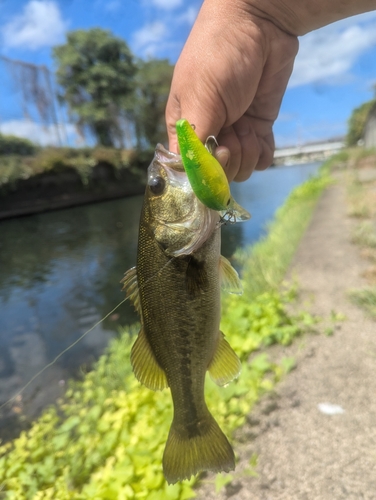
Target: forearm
(299, 17)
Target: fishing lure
(205, 173)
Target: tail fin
(208, 449)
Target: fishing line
(59, 355)
(77, 341)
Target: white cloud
(188, 16)
(166, 4)
(327, 55)
(39, 25)
(147, 40)
(38, 133)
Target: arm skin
(231, 76)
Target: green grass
(265, 264)
(358, 200)
(365, 234)
(366, 299)
(104, 440)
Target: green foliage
(12, 145)
(366, 299)
(153, 81)
(338, 159)
(365, 234)
(357, 122)
(96, 72)
(14, 168)
(105, 439)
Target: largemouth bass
(205, 173)
(175, 287)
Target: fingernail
(223, 156)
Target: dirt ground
(303, 452)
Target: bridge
(308, 152)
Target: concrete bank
(55, 190)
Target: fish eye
(157, 185)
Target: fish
(175, 287)
(205, 173)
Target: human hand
(229, 82)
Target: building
(369, 134)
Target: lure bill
(205, 173)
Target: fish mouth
(184, 232)
(166, 157)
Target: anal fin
(225, 365)
(145, 366)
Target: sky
(334, 71)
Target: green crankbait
(205, 173)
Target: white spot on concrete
(330, 409)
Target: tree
(96, 73)
(357, 122)
(153, 81)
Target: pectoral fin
(225, 365)
(145, 366)
(130, 285)
(229, 277)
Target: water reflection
(60, 273)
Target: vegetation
(362, 205)
(366, 299)
(153, 81)
(105, 439)
(357, 122)
(96, 72)
(12, 145)
(14, 168)
(109, 93)
(111, 96)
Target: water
(60, 273)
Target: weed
(366, 299)
(365, 234)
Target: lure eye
(157, 185)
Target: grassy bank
(361, 198)
(105, 439)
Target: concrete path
(305, 454)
